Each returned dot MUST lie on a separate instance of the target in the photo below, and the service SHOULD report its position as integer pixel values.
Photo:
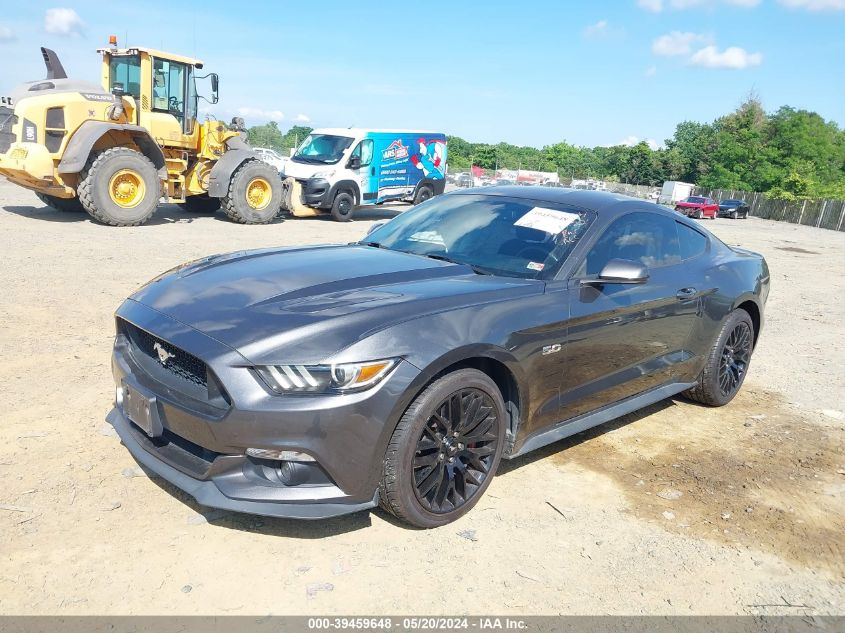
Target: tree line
(789, 154)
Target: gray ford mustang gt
(309, 382)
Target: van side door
(363, 169)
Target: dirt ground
(677, 509)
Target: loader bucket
(292, 200)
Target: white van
(339, 169)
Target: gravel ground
(678, 509)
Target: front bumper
(316, 192)
(200, 446)
(233, 480)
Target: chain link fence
(823, 214)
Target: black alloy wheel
(456, 450)
(736, 353)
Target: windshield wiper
(373, 244)
(443, 258)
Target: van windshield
(324, 149)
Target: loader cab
(164, 89)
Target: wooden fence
(825, 214)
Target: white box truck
(673, 191)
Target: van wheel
(423, 193)
(120, 187)
(254, 195)
(68, 205)
(342, 206)
(445, 450)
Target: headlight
(338, 378)
(323, 174)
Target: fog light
(285, 456)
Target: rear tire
(119, 187)
(67, 205)
(200, 204)
(255, 193)
(459, 417)
(727, 363)
(342, 206)
(423, 193)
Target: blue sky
(530, 73)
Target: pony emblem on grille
(163, 354)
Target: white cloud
(599, 28)
(656, 6)
(6, 34)
(63, 22)
(301, 118)
(676, 43)
(630, 141)
(261, 115)
(732, 57)
(815, 5)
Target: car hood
(689, 204)
(306, 304)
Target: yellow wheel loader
(118, 149)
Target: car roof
(602, 202)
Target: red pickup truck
(698, 207)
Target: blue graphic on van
(395, 151)
(431, 158)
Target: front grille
(181, 364)
(7, 120)
(182, 454)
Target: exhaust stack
(55, 70)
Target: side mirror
(375, 226)
(620, 271)
(354, 163)
(215, 84)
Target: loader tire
(200, 204)
(255, 194)
(68, 205)
(119, 187)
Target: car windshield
(495, 235)
(326, 149)
(733, 202)
(695, 199)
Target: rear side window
(692, 242)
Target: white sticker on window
(431, 237)
(538, 266)
(548, 220)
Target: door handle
(685, 293)
(372, 171)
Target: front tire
(67, 205)
(445, 450)
(727, 363)
(734, 215)
(342, 206)
(255, 193)
(699, 215)
(120, 187)
(200, 204)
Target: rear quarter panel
(728, 279)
